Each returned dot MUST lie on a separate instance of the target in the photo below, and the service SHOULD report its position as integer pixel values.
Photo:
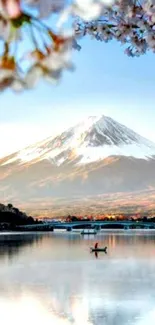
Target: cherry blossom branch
(131, 22)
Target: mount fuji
(95, 157)
(92, 140)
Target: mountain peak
(103, 130)
(93, 139)
(97, 156)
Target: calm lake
(52, 278)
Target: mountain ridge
(97, 156)
(78, 142)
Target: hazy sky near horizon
(105, 81)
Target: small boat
(104, 249)
(89, 232)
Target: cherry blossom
(10, 8)
(49, 53)
(128, 22)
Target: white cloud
(15, 136)
(18, 135)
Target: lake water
(52, 278)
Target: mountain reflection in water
(53, 279)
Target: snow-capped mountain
(92, 140)
(95, 157)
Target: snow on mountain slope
(93, 139)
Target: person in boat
(96, 245)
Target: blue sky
(105, 81)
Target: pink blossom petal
(13, 8)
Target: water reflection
(32, 309)
(55, 280)
(11, 244)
